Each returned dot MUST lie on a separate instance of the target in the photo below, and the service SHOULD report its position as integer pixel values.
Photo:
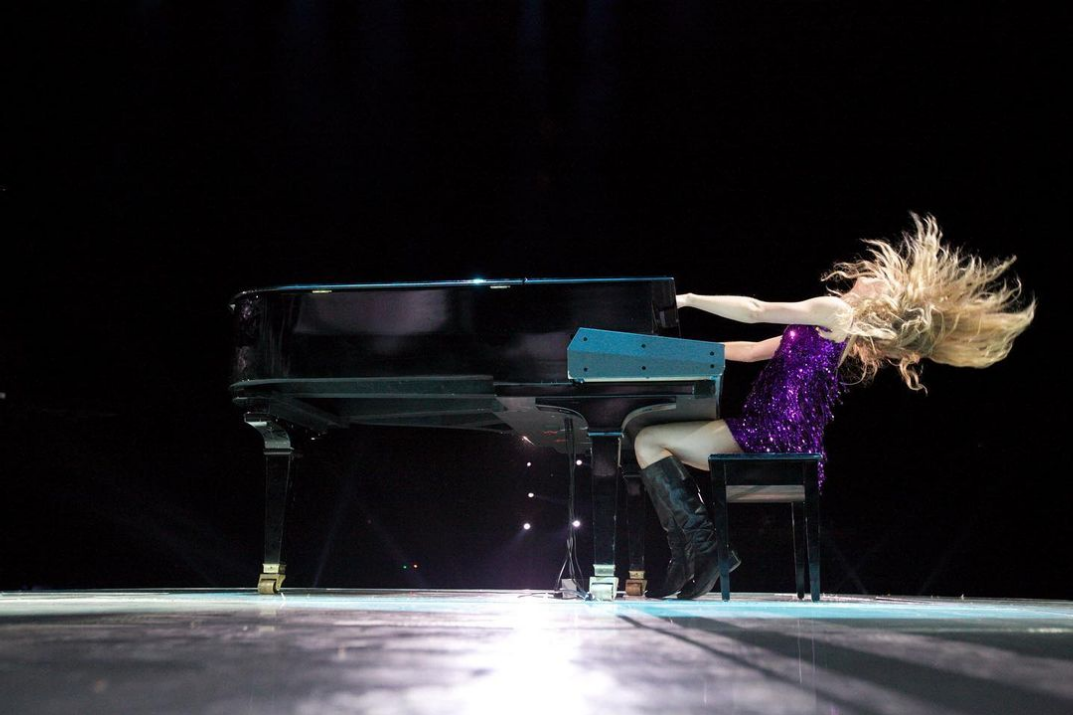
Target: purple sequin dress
(791, 400)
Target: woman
(919, 299)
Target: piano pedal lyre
(271, 580)
(636, 584)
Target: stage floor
(325, 651)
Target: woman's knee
(647, 445)
(654, 437)
(645, 438)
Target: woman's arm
(826, 311)
(745, 351)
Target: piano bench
(770, 478)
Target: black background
(159, 157)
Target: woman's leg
(661, 450)
(691, 442)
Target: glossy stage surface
(322, 652)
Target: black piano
(479, 355)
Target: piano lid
(512, 330)
(491, 283)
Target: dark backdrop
(159, 157)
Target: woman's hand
(683, 299)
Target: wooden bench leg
(812, 527)
(797, 516)
(722, 527)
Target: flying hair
(934, 301)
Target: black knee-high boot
(680, 567)
(673, 488)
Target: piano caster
(636, 584)
(271, 580)
(603, 589)
(603, 585)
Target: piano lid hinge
(275, 436)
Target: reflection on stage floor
(325, 651)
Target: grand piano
(577, 365)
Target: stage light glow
(536, 651)
(531, 495)
(576, 523)
(529, 464)
(527, 526)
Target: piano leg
(636, 584)
(279, 455)
(605, 475)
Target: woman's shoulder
(838, 319)
(833, 335)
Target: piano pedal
(271, 580)
(636, 584)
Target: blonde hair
(935, 303)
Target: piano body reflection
(491, 355)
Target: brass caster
(636, 586)
(270, 584)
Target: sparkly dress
(791, 400)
